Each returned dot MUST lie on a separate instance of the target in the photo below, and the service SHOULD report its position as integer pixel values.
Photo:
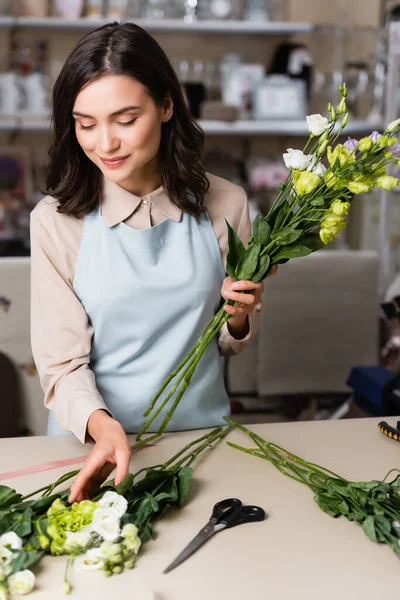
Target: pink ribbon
(55, 464)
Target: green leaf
(292, 252)
(153, 502)
(369, 528)
(312, 241)
(286, 235)
(248, 264)
(261, 231)
(327, 506)
(383, 524)
(280, 218)
(26, 559)
(236, 251)
(8, 496)
(262, 268)
(319, 201)
(184, 480)
(125, 484)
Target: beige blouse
(60, 332)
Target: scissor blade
(196, 542)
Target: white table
(299, 552)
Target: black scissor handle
(224, 508)
(231, 512)
(244, 514)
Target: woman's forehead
(110, 93)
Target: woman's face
(118, 126)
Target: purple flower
(351, 144)
(395, 150)
(375, 135)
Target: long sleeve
(60, 336)
(237, 214)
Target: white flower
(393, 125)
(12, 540)
(21, 582)
(106, 523)
(6, 556)
(92, 560)
(76, 540)
(320, 170)
(3, 593)
(115, 501)
(317, 124)
(296, 159)
(129, 531)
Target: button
(144, 202)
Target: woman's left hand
(231, 290)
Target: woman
(128, 249)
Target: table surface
(297, 552)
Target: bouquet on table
(309, 211)
(105, 533)
(374, 505)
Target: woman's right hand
(112, 449)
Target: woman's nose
(108, 142)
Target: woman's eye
(85, 127)
(126, 123)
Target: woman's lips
(113, 163)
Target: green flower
(333, 223)
(304, 182)
(365, 144)
(340, 208)
(63, 519)
(345, 157)
(358, 187)
(326, 235)
(387, 182)
(385, 141)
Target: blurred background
(329, 339)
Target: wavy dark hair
(122, 49)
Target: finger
(243, 284)
(123, 459)
(273, 271)
(93, 464)
(240, 297)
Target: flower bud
(322, 148)
(345, 120)
(340, 208)
(365, 144)
(326, 236)
(385, 141)
(44, 542)
(358, 187)
(393, 126)
(387, 183)
(117, 569)
(107, 573)
(67, 587)
(341, 107)
(130, 564)
(304, 182)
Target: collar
(117, 204)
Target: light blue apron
(149, 293)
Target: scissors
(225, 514)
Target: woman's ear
(167, 108)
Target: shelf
(238, 128)
(177, 25)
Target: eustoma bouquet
(309, 211)
(374, 505)
(105, 533)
